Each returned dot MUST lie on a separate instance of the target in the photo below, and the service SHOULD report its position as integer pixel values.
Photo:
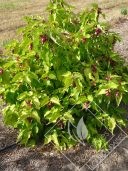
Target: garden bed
(21, 158)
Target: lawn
(12, 12)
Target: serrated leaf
(44, 101)
(32, 75)
(112, 85)
(22, 96)
(55, 138)
(36, 116)
(55, 100)
(52, 115)
(9, 64)
(101, 91)
(18, 77)
(6, 77)
(68, 116)
(111, 122)
(27, 79)
(36, 102)
(67, 79)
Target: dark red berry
(50, 105)
(43, 39)
(1, 71)
(30, 119)
(17, 59)
(94, 68)
(46, 78)
(98, 31)
(84, 40)
(75, 21)
(112, 63)
(31, 46)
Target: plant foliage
(61, 67)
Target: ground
(19, 158)
(12, 12)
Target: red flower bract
(31, 46)
(98, 31)
(43, 39)
(117, 94)
(1, 71)
(84, 40)
(108, 92)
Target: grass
(12, 12)
(12, 4)
(7, 6)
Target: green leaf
(36, 102)
(55, 100)
(9, 64)
(22, 96)
(52, 115)
(44, 101)
(18, 77)
(31, 143)
(35, 115)
(6, 77)
(54, 39)
(2, 90)
(68, 116)
(67, 79)
(27, 79)
(32, 75)
(112, 85)
(53, 137)
(24, 136)
(101, 91)
(90, 98)
(111, 123)
(119, 98)
(88, 73)
(10, 118)
(81, 99)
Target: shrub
(56, 71)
